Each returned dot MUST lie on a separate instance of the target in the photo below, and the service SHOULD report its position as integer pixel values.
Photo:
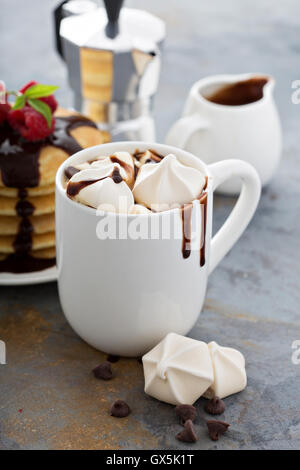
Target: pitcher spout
(268, 88)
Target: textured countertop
(48, 398)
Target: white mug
(211, 131)
(123, 296)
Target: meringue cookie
(124, 159)
(148, 157)
(138, 209)
(82, 166)
(103, 193)
(178, 370)
(168, 182)
(114, 197)
(229, 371)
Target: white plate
(38, 277)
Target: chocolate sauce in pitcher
(19, 165)
(239, 93)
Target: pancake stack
(27, 187)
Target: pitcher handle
(183, 129)
(243, 210)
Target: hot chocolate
(141, 183)
(146, 179)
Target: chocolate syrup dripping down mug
(246, 127)
(126, 280)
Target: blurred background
(203, 37)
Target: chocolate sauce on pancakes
(62, 138)
(19, 165)
(239, 93)
(24, 208)
(25, 263)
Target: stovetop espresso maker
(113, 56)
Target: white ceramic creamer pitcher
(214, 132)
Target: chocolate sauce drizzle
(116, 176)
(74, 187)
(154, 157)
(186, 217)
(203, 205)
(19, 165)
(71, 171)
(128, 168)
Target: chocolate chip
(120, 409)
(216, 429)
(103, 371)
(112, 358)
(186, 412)
(215, 406)
(188, 433)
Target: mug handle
(243, 210)
(182, 130)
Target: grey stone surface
(253, 297)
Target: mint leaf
(20, 102)
(40, 91)
(42, 108)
